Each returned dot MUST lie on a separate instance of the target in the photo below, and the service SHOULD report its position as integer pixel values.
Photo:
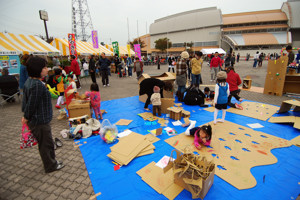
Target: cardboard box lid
(77, 104)
(167, 76)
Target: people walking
(104, 68)
(256, 57)
(92, 68)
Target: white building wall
(198, 35)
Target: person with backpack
(138, 67)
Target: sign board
(116, 48)
(95, 39)
(43, 15)
(11, 62)
(72, 44)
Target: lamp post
(44, 17)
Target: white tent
(211, 51)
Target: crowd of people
(37, 106)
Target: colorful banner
(95, 39)
(137, 50)
(72, 44)
(116, 48)
(128, 48)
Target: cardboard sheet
(123, 122)
(287, 119)
(235, 150)
(161, 182)
(296, 141)
(252, 109)
(286, 106)
(147, 116)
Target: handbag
(27, 138)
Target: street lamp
(44, 17)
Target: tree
(137, 41)
(188, 46)
(162, 44)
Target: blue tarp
(277, 181)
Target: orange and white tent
(15, 44)
(83, 48)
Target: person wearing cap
(156, 102)
(196, 65)
(221, 96)
(181, 74)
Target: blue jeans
(129, 71)
(255, 63)
(196, 79)
(86, 72)
(181, 89)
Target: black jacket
(8, 84)
(147, 85)
(104, 64)
(92, 65)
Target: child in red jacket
(234, 80)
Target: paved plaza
(21, 172)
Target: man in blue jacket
(104, 67)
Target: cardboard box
(175, 113)
(247, 83)
(79, 108)
(166, 103)
(189, 181)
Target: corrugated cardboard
(229, 140)
(181, 179)
(175, 113)
(131, 146)
(287, 119)
(287, 105)
(252, 109)
(142, 77)
(123, 122)
(79, 108)
(161, 182)
(165, 104)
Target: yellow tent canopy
(14, 44)
(83, 48)
(122, 50)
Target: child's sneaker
(241, 99)
(57, 106)
(107, 85)
(238, 106)
(104, 85)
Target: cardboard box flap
(75, 104)
(286, 119)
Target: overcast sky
(110, 17)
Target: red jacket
(215, 62)
(75, 67)
(233, 79)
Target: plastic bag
(108, 132)
(27, 138)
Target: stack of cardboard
(78, 108)
(131, 146)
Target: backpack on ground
(193, 96)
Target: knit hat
(221, 75)
(184, 55)
(156, 89)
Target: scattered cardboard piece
(151, 138)
(103, 111)
(178, 104)
(287, 119)
(296, 141)
(175, 113)
(94, 196)
(148, 116)
(131, 146)
(165, 104)
(161, 182)
(250, 147)
(124, 122)
(252, 109)
(163, 122)
(287, 105)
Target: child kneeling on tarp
(202, 134)
(155, 100)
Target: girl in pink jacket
(202, 135)
(95, 98)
